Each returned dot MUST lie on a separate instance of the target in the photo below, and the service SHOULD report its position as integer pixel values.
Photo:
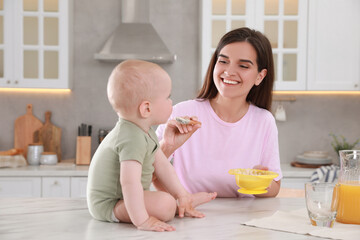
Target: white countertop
(58, 170)
(68, 169)
(69, 219)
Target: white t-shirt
(202, 163)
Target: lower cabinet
(78, 187)
(55, 187)
(66, 187)
(20, 187)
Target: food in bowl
(252, 181)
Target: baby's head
(135, 82)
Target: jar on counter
(34, 153)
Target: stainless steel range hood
(135, 37)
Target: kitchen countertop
(35, 218)
(70, 169)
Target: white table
(46, 218)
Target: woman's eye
(221, 61)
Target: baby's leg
(202, 197)
(158, 204)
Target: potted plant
(340, 143)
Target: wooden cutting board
(302, 165)
(49, 136)
(24, 129)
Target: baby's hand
(186, 208)
(154, 224)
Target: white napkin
(298, 222)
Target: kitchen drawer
(55, 187)
(296, 183)
(20, 187)
(78, 187)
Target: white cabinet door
(78, 187)
(20, 187)
(283, 22)
(56, 187)
(35, 44)
(334, 45)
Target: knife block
(83, 150)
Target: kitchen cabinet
(20, 187)
(55, 187)
(334, 45)
(74, 187)
(315, 43)
(283, 22)
(64, 180)
(78, 187)
(35, 44)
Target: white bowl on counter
(48, 158)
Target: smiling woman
(237, 130)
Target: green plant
(342, 144)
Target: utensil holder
(83, 150)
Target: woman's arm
(175, 135)
(274, 187)
(273, 190)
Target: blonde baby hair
(130, 83)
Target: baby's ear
(144, 109)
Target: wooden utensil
(24, 129)
(49, 136)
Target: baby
(122, 167)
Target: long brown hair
(260, 95)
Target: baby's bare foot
(202, 197)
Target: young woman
(237, 130)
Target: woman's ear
(144, 109)
(261, 75)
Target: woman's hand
(261, 167)
(154, 224)
(274, 187)
(176, 134)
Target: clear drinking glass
(321, 203)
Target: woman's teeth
(230, 81)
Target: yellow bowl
(252, 181)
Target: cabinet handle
(55, 182)
(355, 85)
(8, 81)
(16, 81)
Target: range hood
(135, 37)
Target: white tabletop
(45, 218)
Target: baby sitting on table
(122, 167)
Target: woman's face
(236, 70)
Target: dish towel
(326, 174)
(298, 222)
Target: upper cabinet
(313, 41)
(34, 44)
(334, 45)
